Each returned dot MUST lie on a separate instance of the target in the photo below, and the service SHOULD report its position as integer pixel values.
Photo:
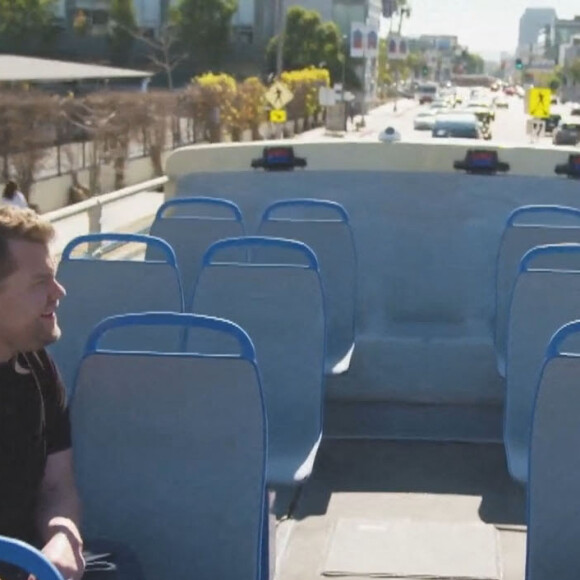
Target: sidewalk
(320, 133)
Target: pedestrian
(13, 196)
(351, 112)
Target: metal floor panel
(385, 481)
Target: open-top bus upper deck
(410, 478)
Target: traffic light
(425, 70)
(519, 64)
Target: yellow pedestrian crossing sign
(539, 102)
(278, 95)
(277, 116)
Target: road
(509, 127)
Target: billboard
(358, 39)
(397, 48)
(372, 48)
(364, 40)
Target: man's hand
(59, 515)
(65, 551)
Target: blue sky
(485, 26)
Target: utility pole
(280, 26)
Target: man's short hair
(20, 224)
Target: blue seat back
(99, 288)
(170, 450)
(281, 306)
(27, 558)
(190, 225)
(553, 502)
(526, 227)
(324, 227)
(546, 296)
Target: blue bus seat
(553, 502)
(27, 558)
(526, 227)
(190, 225)
(324, 226)
(99, 288)
(170, 451)
(281, 306)
(543, 300)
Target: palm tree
(402, 9)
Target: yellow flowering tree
(217, 95)
(305, 85)
(250, 107)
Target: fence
(108, 213)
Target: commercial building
(342, 12)
(532, 22)
(563, 32)
(254, 22)
(441, 43)
(570, 52)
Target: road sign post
(538, 101)
(536, 129)
(278, 116)
(278, 96)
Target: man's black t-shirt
(34, 423)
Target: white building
(569, 52)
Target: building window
(100, 17)
(243, 34)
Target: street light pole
(344, 54)
(280, 27)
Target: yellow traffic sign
(539, 102)
(278, 95)
(277, 116)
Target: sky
(487, 27)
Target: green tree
(471, 64)
(26, 24)
(123, 30)
(385, 73)
(415, 63)
(553, 79)
(310, 42)
(203, 27)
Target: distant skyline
(487, 27)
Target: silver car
(424, 121)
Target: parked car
(567, 134)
